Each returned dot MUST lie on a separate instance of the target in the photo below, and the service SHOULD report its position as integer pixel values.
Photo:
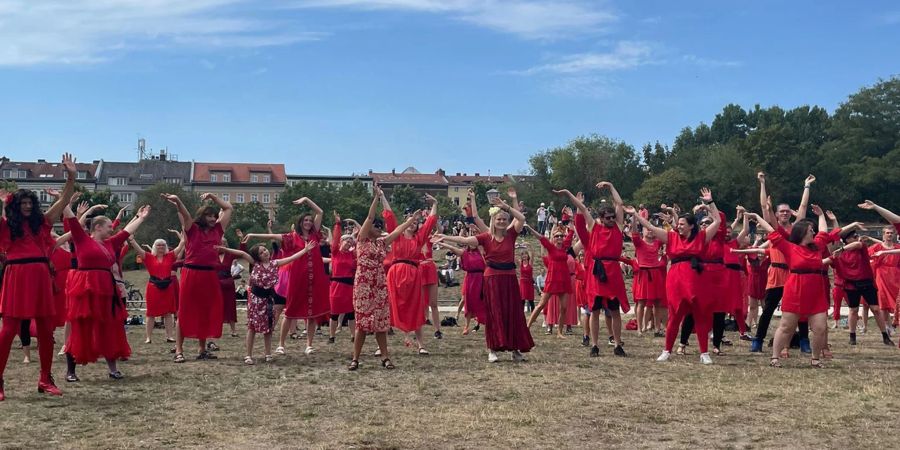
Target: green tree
(672, 186)
(248, 217)
(101, 197)
(446, 208)
(163, 215)
(288, 213)
(405, 198)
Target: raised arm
(317, 219)
(309, 246)
(403, 226)
(83, 214)
(271, 237)
(138, 219)
(183, 214)
(767, 214)
(713, 228)
(579, 205)
(225, 209)
(53, 213)
(237, 253)
(518, 218)
(482, 227)
(336, 233)
(456, 250)
(513, 198)
(887, 214)
(804, 199)
(833, 219)
(743, 238)
(762, 223)
(757, 251)
(141, 253)
(659, 233)
(366, 227)
(470, 241)
(617, 202)
(823, 223)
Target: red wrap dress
(161, 296)
(404, 279)
(308, 284)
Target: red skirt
(161, 302)
(97, 317)
(805, 295)
(27, 292)
(307, 292)
(552, 311)
(428, 271)
(712, 288)
(472, 292)
(558, 287)
(526, 289)
(734, 289)
(200, 304)
(682, 285)
(505, 328)
(341, 296)
(649, 283)
(581, 297)
(756, 285)
(405, 293)
(229, 302)
(612, 288)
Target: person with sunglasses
(558, 282)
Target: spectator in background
(542, 214)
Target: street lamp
(492, 194)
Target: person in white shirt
(542, 219)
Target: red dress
(603, 245)
(427, 266)
(62, 261)
(404, 279)
(887, 277)
(553, 306)
(649, 281)
(473, 263)
(581, 298)
(505, 328)
(558, 279)
(200, 295)
(804, 291)
(526, 282)
(853, 267)
(713, 276)
(734, 277)
(758, 269)
(161, 286)
(372, 310)
(307, 291)
(226, 284)
(343, 269)
(96, 309)
(27, 290)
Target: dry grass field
(454, 398)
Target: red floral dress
(372, 310)
(261, 297)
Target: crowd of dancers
(691, 270)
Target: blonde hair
(157, 242)
(495, 214)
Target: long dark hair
(299, 227)
(15, 218)
(254, 251)
(692, 221)
(799, 231)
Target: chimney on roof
(441, 172)
(42, 161)
(458, 174)
(162, 154)
(477, 174)
(393, 171)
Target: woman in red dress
(851, 262)
(308, 284)
(805, 293)
(96, 302)
(894, 220)
(886, 263)
(343, 270)
(430, 277)
(27, 290)
(649, 282)
(160, 291)
(200, 297)
(505, 329)
(526, 279)
(735, 283)
(370, 293)
(685, 247)
(558, 282)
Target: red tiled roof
(408, 178)
(240, 173)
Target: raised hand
(437, 238)
(206, 196)
(868, 204)
(761, 176)
(580, 196)
(604, 185)
(629, 210)
(741, 210)
(706, 195)
(511, 191)
(143, 212)
(300, 200)
(239, 233)
(830, 215)
(171, 198)
(51, 192)
(565, 192)
(337, 217)
(817, 210)
(82, 208)
(68, 161)
(810, 179)
(430, 198)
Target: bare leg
(563, 309)
(432, 295)
(783, 333)
(251, 335)
(179, 340)
(616, 323)
(148, 329)
(545, 297)
(286, 326)
(310, 331)
(168, 321)
(381, 338)
(819, 326)
(639, 315)
(267, 341)
(660, 315)
(358, 344)
(595, 327)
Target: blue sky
(340, 86)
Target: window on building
(173, 180)
(226, 178)
(81, 175)
(43, 197)
(44, 175)
(239, 198)
(267, 199)
(254, 178)
(213, 178)
(266, 179)
(456, 200)
(275, 197)
(117, 181)
(254, 197)
(226, 197)
(146, 176)
(15, 173)
(456, 189)
(125, 197)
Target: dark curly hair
(691, 220)
(17, 221)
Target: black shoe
(206, 355)
(116, 375)
(619, 351)
(212, 347)
(438, 335)
(72, 378)
(331, 340)
(477, 327)
(595, 351)
(888, 341)
(853, 341)
(727, 342)
(659, 334)
(585, 341)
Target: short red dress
(558, 279)
(343, 270)
(96, 309)
(27, 291)
(649, 281)
(63, 261)
(804, 290)
(683, 282)
(308, 284)
(226, 285)
(713, 276)
(526, 281)
(427, 266)
(472, 262)
(603, 246)
(200, 296)
(161, 286)
(735, 279)
(887, 277)
(757, 271)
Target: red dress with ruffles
(27, 290)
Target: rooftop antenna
(142, 149)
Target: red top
(731, 257)
(28, 245)
(526, 272)
(343, 264)
(884, 260)
(648, 255)
(92, 254)
(498, 252)
(410, 249)
(556, 260)
(679, 247)
(800, 257)
(603, 241)
(160, 268)
(853, 265)
(200, 245)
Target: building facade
(40, 175)
(241, 183)
(425, 183)
(127, 179)
(331, 180)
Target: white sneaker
(518, 356)
(492, 357)
(664, 356)
(309, 351)
(705, 359)
(279, 351)
(378, 352)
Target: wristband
(806, 186)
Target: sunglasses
(609, 217)
(705, 224)
(559, 236)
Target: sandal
(816, 364)
(179, 358)
(116, 375)
(279, 351)
(248, 361)
(353, 365)
(170, 340)
(212, 347)
(680, 350)
(387, 364)
(718, 352)
(776, 363)
(826, 353)
(269, 358)
(785, 354)
(72, 378)
(422, 351)
(206, 355)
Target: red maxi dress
(887, 277)
(684, 288)
(505, 328)
(735, 284)
(307, 290)
(805, 293)
(472, 262)
(372, 311)
(713, 276)
(649, 283)
(603, 248)
(96, 309)
(404, 279)
(200, 296)
(161, 285)
(343, 270)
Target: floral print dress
(261, 297)
(372, 310)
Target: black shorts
(279, 300)
(347, 316)
(868, 294)
(607, 305)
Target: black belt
(809, 272)
(13, 262)
(780, 265)
(696, 264)
(268, 294)
(196, 267)
(733, 266)
(599, 270)
(344, 280)
(713, 261)
(116, 300)
(161, 283)
(405, 261)
(501, 266)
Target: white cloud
(530, 19)
(708, 62)
(625, 55)
(582, 86)
(85, 31)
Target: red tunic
(62, 261)
(160, 301)
(682, 282)
(200, 295)
(580, 293)
(472, 262)
(558, 280)
(649, 281)
(96, 310)
(505, 328)
(308, 284)
(427, 266)
(713, 276)
(804, 290)
(226, 284)
(734, 278)
(343, 270)
(887, 277)
(27, 291)
(404, 279)
(758, 269)
(603, 245)
(526, 282)
(553, 306)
